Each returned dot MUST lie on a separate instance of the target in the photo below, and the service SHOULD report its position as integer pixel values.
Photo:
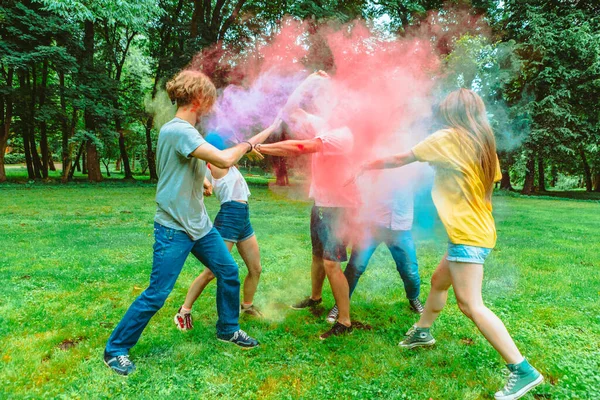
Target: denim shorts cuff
(247, 237)
(465, 260)
(230, 240)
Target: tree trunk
(43, 124)
(67, 132)
(541, 174)
(37, 161)
(118, 165)
(6, 119)
(507, 161)
(2, 170)
(529, 175)
(150, 151)
(597, 182)
(32, 85)
(84, 168)
(51, 163)
(124, 156)
(76, 163)
(586, 170)
(554, 173)
(24, 110)
(106, 164)
(28, 160)
(92, 157)
(281, 173)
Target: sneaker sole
(418, 344)
(179, 326)
(241, 347)
(523, 390)
(114, 370)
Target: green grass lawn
(73, 258)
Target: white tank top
(231, 187)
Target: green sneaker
(522, 378)
(416, 337)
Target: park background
(81, 96)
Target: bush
(14, 158)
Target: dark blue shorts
(325, 233)
(233, 222)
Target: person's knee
(254, 270)
(331, 267)
(471, 309)
(209, 275)
(439, 282)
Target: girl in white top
(233, 223)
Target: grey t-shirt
(179, 193)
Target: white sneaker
(333, 315)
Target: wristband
(249, 144)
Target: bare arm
(291, 147)
(395, 161)
(208, 188)
(217, 172)
(229, 157)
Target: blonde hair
(464, 111)
(188, 86)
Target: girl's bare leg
(250, 253)
(467, 280)
(436, 300)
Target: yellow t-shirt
(458, 191)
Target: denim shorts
(463, 253)
(325, 223)
(233, 222)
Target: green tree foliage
(79, 78)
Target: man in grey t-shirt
(181, 225)
(181, 209)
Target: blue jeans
(171, 249)
(402, 248)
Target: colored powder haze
(381, 87)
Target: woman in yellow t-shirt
(466, 167)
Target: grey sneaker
(306, 303)
(416, 306)
(239, 338)
(416, 337)
(333, 315)
(522, 378)
(122, 365)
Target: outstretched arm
(291, 147)
(395, 161)
(229, 157)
